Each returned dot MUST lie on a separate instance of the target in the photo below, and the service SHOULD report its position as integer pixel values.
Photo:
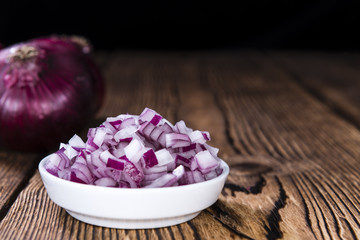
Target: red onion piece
(150, 158)
(129, 151)
(115, 164)
(168, 179)
(49, 89)
(106, 182)
(205, 161)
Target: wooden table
(286, 122)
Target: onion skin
(50, 88)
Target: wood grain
(307, 147)
(332, 78)
(35, 216)
(294, 159)
(15, 171)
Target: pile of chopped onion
(130, 151)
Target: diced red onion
(163, 156)
(181, 127)
(65, 161)
(198, 177)
(168, 179)
(134, 150)
(99, 137)
(82, 172)
(53, 163)
(146, 128)
(149, 115)
(130, 151)
(155, 169)
(210, 175)
(199, 137)
(64, 174)
(154, 135)
(106, 182)
(115, 123)
(113, 162)
(150, 158)
(176, 140)
(206, 161)
(129, 121)
(171, 166)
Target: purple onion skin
(45, 99)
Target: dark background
(164, 25)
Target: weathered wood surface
(332, 78)
(294, 156)
(15, 171)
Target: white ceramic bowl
(133, 208)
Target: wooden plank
(294, 163)
(15, 171)
(304, 157)
(332, 78)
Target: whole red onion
(49, 89)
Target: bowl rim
(45, 174)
